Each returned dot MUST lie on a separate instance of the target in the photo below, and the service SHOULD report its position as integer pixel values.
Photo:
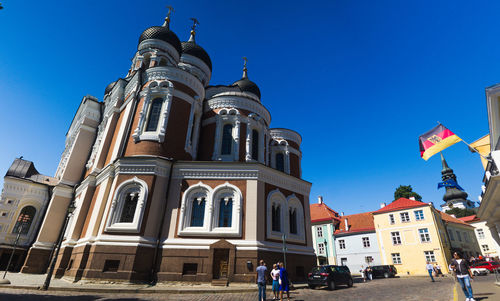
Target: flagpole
(475, 150)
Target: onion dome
(162, 33)
(190, 47)
(109, 88)
(245, 84)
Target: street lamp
(23, 219)
(57, 247)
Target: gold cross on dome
(245, 60)
(195, 22)
(170, 10)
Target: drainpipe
(156, 258)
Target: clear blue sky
(359, 80)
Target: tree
(405, 191)
(460, 212)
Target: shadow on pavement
(34, 297)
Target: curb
(135, 291)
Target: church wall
(294, 165)
(207, 142)
(117, 139)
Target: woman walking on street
(464, 275)
(275, 275)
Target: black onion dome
(247, 85)
(162, 33)
(196, 50)
(109, 88)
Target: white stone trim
(153, 44)
(285, 134)
(276, 198)
(218, 170)
(240, 103)
(210, 219)
(113, 224)
(196, 67)
(163, 90)
(294, 204)
(175, 74)
(224, 117)
(254, 122)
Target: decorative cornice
(240, 103)
(286, 134)
(176, 75)
(246, 171)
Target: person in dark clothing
(463, 274)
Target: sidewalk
(33, 281)
(483, 288)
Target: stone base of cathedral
(37, 261)
(17, 259)
(221, 261)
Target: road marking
(455, 294)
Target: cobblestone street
(418, 288)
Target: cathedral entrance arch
(220, 264)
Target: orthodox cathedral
(172, 178)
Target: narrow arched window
(293, 221)
(276, 223)
(227, 139)
(24, 220)
(280, 162)
(129, 206)
(255, 145)
(225, 212)
(198, 212)
(163, 62)
(154, 115)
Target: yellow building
(410, 234)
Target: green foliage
(405, 191)
(459, 212)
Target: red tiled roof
(470, 218)
(321, 212)
(450, 219)
(401, 204)
(357, 223)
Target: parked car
(491, 266)
(329, 275)
(385, 271)
(479, 271)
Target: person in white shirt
(275, 275)
(430, 269)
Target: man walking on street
(261, 279)
(464, 275)
(430, 269)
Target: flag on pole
(436, 140)
(450, 183)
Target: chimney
(382, 205)
(412, 198)
(342, 213)
(320, 200)
(431, 204)
(346, 225)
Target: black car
(329, 275)
(385, 271)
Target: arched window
(127, 207)
(293, 220)
(276, 218)
(163, 62)
(198, 212)
(255, 145)
(225, 212)
(280, 162)
(227, 139)
(154, 115)
(24, 220)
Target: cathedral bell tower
(455, 196)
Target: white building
(489, 247)
(356, 242)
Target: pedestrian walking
(437, 270)
(464, 275)
(275, 275)
(369, 272)
(430, 269)
(363, 275)
(283, 282)
(261, 279)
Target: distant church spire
(245, 74)
(193, 30)
(453, 194)
(167, 18)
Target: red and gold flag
(436, 140)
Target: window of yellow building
(391, 219)
(405, 217)
(429, 256)
(396, 238)
(424, 235)
(419, 215)
(396, 258)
